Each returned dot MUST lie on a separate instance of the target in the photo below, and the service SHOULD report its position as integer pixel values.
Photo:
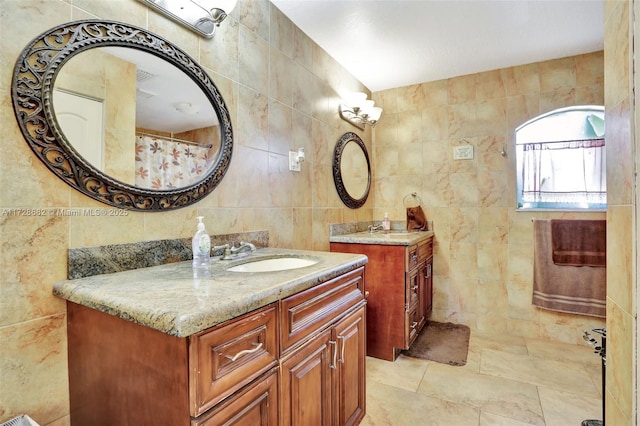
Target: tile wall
(483, 269)
(621, 215)
(283, 93)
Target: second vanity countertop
(168, 298)
(394, 237)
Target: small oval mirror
(351, 170)
(102, 66)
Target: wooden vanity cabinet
(323, 362)
(400, 290)
(236, 373)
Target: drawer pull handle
(414, 288)
(258, 346)
(414, 325)
(341, 359)
(335, 353)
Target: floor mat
(446, 343)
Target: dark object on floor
(602, 351)
(445, 343)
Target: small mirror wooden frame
(32, 91)
(343, 192)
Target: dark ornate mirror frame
(346, 198)
(32, 89)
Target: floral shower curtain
(166, 164)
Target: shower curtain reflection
(167, 163)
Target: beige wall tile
(617, 60)
(557, 74)
(33, 374)
(620, 170)
(221, 53)
(253, 60)
(589, 69)
(254, 14)
(620, 262)
(620, 357)
(522, 80)
(31, 262)
(281, 32)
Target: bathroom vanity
(156, 346)
(399, 286)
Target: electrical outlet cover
(294, 164)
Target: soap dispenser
(201, 245)
(386, 223)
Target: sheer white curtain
(568, 171)
(166, 164)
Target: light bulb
(375, 113)
(366, 107)
(355, 100)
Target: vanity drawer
(227, 357)
(425, 249)
(412, 257)
(412, 323)
(412, 287)
(256, 405)
(312, 309)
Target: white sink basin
(273, 264)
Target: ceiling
(395, 43)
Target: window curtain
(166, 164)
(553, 172)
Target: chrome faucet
(232, 253)
(373, 228)
(216, 249)
(242, 247)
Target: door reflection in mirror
(81, 118)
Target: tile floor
(507, 381)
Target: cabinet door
(255, 406)
(306, 383)
(349, 375)
(427, 273)
(416, 294)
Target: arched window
(560, 160)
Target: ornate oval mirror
(122, 115)
(351, 170)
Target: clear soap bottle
(201, 246)
(386, 223)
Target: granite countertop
(393, 237)
(168, 298)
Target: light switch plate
(464, 152)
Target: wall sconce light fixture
(295, 158)
(201, 16)
(359, 111)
